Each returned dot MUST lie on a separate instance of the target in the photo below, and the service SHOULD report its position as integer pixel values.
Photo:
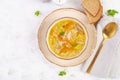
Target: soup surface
(66, 39)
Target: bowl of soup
(66, 38)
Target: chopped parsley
(111, 12)
(37, 13)
(62, 73)
(74, 45)
(62, 33)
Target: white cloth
(109, 59)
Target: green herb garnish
(37, 13)
(62, 73)
(111, 12)
(62, 33)
(74, 45)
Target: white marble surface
(20, 57)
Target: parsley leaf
(37, 13)
(111, 12)
(62, 73)
(62, 33)
(74, 45)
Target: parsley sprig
(62, 73)
(37, 13)
(112, 12)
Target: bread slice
(91, 6)
(94, 19)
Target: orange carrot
(68, 41)
(65, 49)
(51, 32)
(67, 27)
(60, 37)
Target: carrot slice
(51, 32)
(60, 37)
(65, 49)
(68, 41)
(68, 26)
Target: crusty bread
(94, 19)
(91, 6)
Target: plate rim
(93, 47)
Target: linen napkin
(107, 64)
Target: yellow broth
(66, 39)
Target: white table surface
(20, 57)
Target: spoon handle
(95, 57)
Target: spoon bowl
(110, 30)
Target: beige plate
(67, 13)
